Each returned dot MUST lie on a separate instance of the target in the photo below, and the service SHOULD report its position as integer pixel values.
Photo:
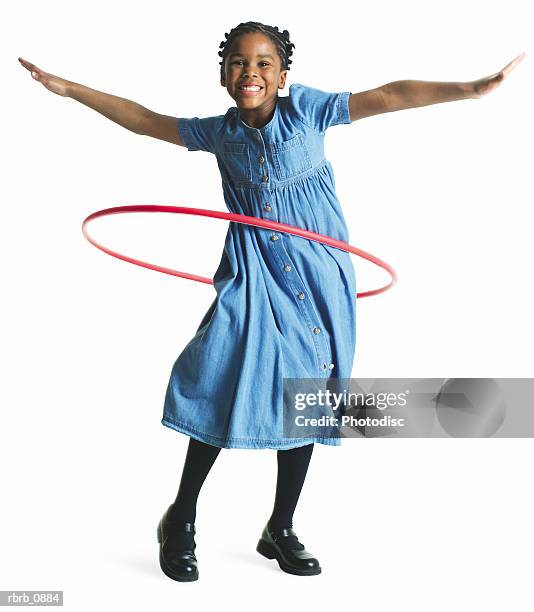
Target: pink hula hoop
(246, 220)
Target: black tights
(292, 468)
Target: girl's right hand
(52, 82)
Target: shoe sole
(166, 570)
(265, 549)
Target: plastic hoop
(244, 219)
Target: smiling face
(253, 59)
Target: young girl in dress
(285, 306)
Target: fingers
(35, 72)
(26, 64)
(509, 67)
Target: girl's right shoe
(176, 562)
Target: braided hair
(281, 40)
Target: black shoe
(176, 562)
(273, 545)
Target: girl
(285, 306)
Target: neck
(258, 117)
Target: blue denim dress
(284, 306)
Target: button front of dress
(305, 313)
(285, 305)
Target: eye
(241, 61)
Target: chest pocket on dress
(290, 157)
(237, 160)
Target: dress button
(331, 366)
(287, 268)
(274, 237)
(261, 159)
(316, 330)
(301, 295)
(267, 208)
(265, 178)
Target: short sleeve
(319, 109)
(199, 134)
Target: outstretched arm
(400, 95)
(126, 113)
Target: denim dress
(285, 306)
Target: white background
(442, 193)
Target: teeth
(250, 87)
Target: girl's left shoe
(292, 561)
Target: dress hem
(247, 443)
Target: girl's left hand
(488, 84)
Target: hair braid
(281, 39)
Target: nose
(248, 73)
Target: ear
(282, 79)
